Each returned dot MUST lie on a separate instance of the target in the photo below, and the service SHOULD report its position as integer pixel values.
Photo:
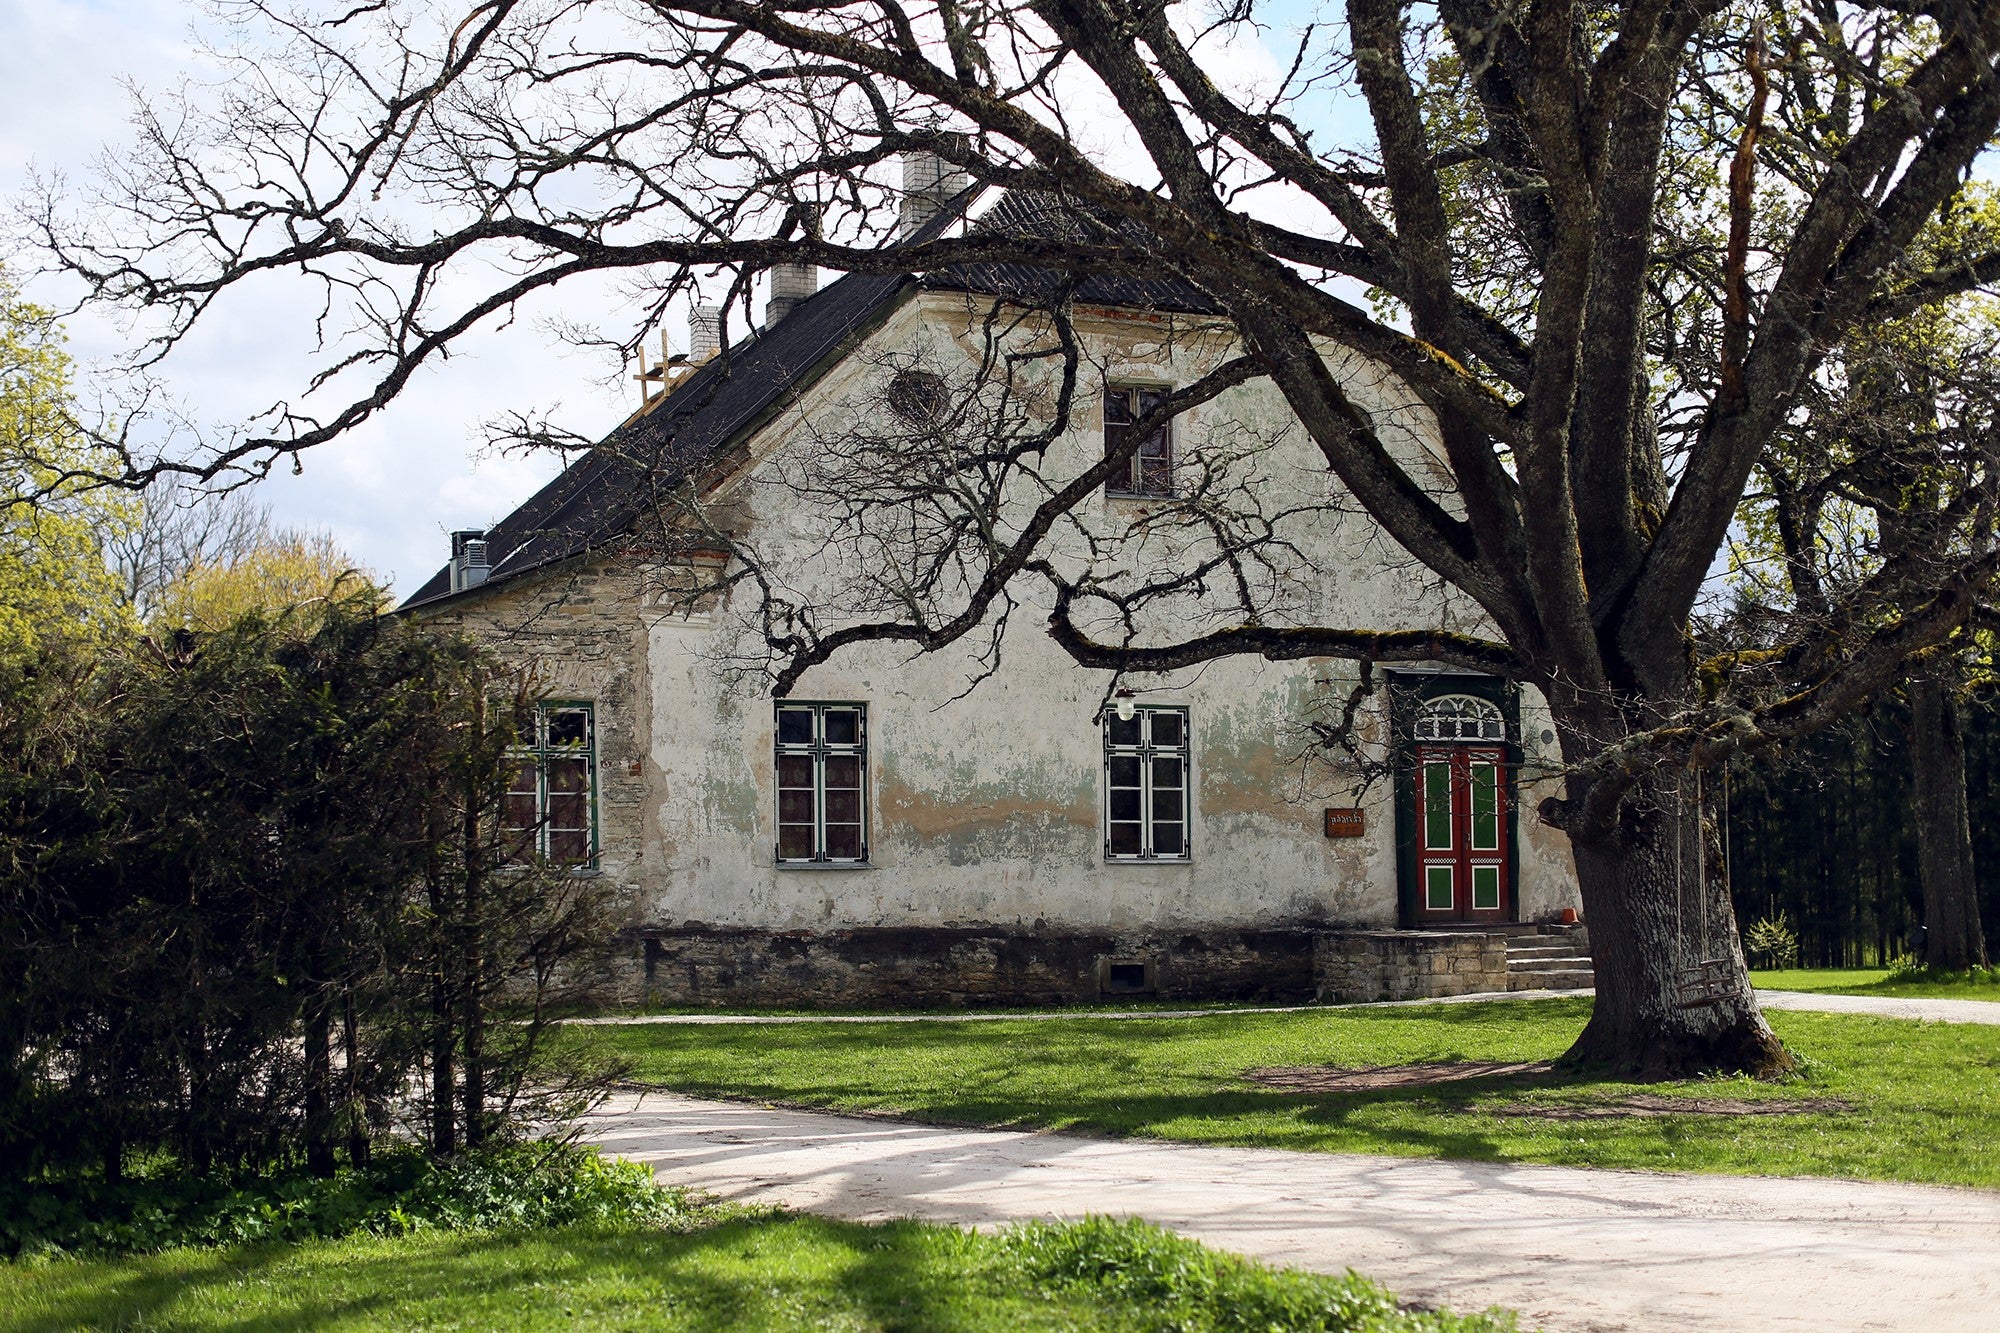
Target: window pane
(569, 845)
(795, 842)
(1485, 808)
(522, 795)
(518, 813)
(568, 812)
(1167, 805)
(1117, 406)
(1122, 731)
(1156, 465)
(843, 806)
(1437, 806)
(1486, 887)
(795, 770)
(1124, 770)
(1166, 770)
(1145, 400)
(1437, 888)
(795, 807)
(1169, 731)
(843, 842)
(1125, 803)
(1124, 839)
(842, 726)
(568, 776)
(1167, 840)
(843, 771)
(795, 726)
(569, 726)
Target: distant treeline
(1824, 835)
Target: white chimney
(791, 283)
(704, 332)
(929, 183)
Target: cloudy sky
(392, 490)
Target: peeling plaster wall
(985, 802)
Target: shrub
(1192, 1289)
(1771, 942)
(1908, 971)
(524, 1186)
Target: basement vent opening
(1127, 977)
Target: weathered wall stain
(986, 826)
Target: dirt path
(1942, 1011)
(1571, 1249)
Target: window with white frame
(1146, 785)
(822, 763)
(550, 809)
(1150, 469)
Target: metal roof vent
(470, 559)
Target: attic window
(918, 397)
(1150, 469)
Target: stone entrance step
(1550, 957)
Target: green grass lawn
(1879, 981)
(757, 1274)
(1924, 1098)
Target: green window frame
(1147, 781)
(550, 808)
(820, 763)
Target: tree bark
(358, 1117)
(444, 1103)
(319, 1086)
(1953, 937)
(1673, 995)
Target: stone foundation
(924, 967)
(929, 967)
(1362, 965)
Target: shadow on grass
(746, 1274)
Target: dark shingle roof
(1045, 217)
(597, 498)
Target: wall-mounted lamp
(1124, 706)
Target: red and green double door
(1461, 834)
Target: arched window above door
(1460, 717)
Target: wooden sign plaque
(1344, 823)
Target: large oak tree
(1544, 197)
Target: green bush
(528, 1185)
(1908, 971)
(1193, 1289)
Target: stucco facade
(986, 833)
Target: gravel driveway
(1571, 1249)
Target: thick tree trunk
(1953, 937)
(1673, 995)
